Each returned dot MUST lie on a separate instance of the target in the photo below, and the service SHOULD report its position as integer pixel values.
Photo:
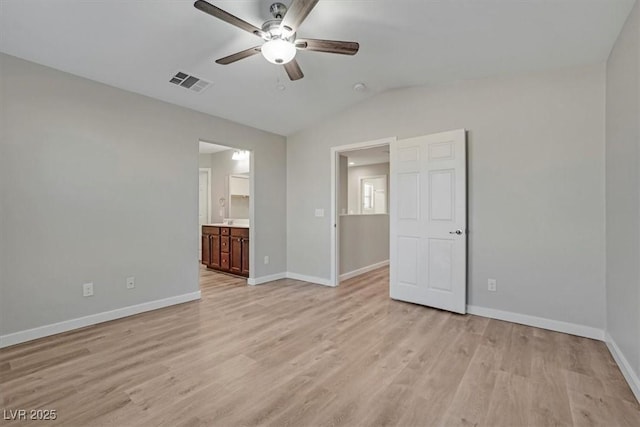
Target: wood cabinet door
(245, 257)
(206, 249)
(215, 252)
(236, 255)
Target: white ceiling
(209, 148)
(368, 156)
(138, 45)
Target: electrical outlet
(492, 285)
(87, 290)
(131, 282)
(266, 259)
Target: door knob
(458, 232)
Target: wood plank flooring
(295, 354)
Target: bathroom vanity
(226, 248)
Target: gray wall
(364, 241)
(623, 187)
(204, 160)
(536, 184)
(358, 172)
(97, 184)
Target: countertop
(226, 225)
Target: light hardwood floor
(295, 354)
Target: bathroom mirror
(373, 194)
(239, 196)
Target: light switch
(319, 213)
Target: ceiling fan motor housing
(278, 10)
(273, 30)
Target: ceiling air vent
(189, 82)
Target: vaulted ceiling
(137, 45)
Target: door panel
(215, 251)
(441, 194)
(428, 204)
(236, 255)
(408, 195)
(205, 246)
(440, 258)
(408, 261)
(245, 256)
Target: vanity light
(240, 155)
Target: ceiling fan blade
(293, 70)
(238, 56)
(227, 17)
(297, 12)
(329, 46)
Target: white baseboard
(538, 322)
(363, 270)
(289, 275)
(266, 279)
(81, 322)
(627, 370)
(310, 279)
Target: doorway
(427, 217)
(360, 231)
(226, 209)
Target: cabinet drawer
(210, 230)
(240, 232)
(224, 261)
(224, 231)
(224, 244)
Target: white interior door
(428, 254)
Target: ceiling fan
(279, 35)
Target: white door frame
(208, 171)
(252, 222)
(335, 216)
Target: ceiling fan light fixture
(278, 51)
(359, 87)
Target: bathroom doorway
(225, 212)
